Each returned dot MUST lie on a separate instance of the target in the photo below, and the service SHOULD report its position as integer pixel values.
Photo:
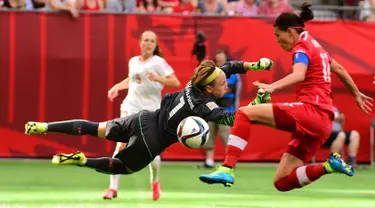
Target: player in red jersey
(309, 119)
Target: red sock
(239, 134)
(314, 172)
(300, 177)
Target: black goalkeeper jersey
(192, 102)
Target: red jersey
(187, 9)
(316, 88)
(88, 8)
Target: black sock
(228, 166)
(351, 160)
(107, 165)
(74, 127)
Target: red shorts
(310, 126)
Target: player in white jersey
(148, 74)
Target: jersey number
(326, 67)
(177, 107)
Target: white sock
(210, 162)
(154, 169)
(114, 181)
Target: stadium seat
(372, 127)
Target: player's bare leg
(210, 155)
(353, 146)
(339, 142)
(154, 167)
(287, 164)
(111, 192)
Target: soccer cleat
(262, 97)
(77, 158)
(33, 127)
(109, 194)
(223, 175)
(156, 191)
(335, 164)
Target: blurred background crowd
(363, 10)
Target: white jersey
(144, 94)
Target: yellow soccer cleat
(33, 127)
(77, 158)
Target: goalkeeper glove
(262, 64)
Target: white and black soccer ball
(193, 132)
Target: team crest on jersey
(212, 105)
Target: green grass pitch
(39, 184)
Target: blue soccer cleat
(223, 175)
(335, 164)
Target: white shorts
(125, 112)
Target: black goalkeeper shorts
(332, 137)
(140, 132)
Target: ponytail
(158, 51)
(306, 13)
(292, 20)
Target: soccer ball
(193, 132)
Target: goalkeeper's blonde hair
(202, 72)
